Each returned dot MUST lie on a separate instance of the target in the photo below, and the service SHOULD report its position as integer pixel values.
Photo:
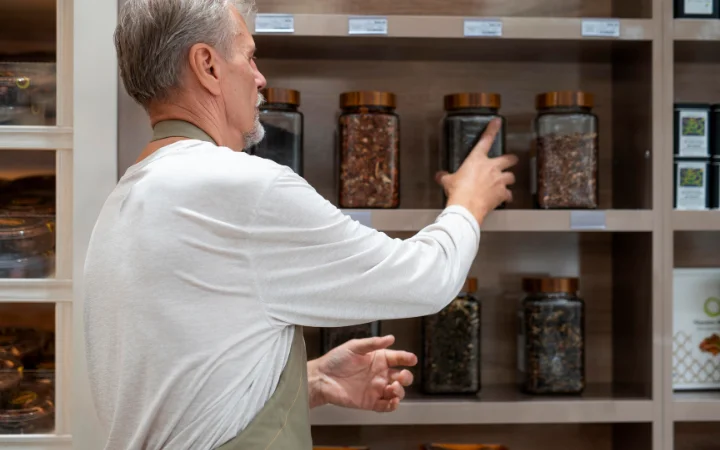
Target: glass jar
(467, 116)
(333, 337)
(283, 123)
(30, 410)
(11, 372)
(369, 138)
(27, 93)
(451, 346)
(551, 350)
(565, 164)
(23, 237)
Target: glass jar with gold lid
(565, 158)
(551, 344)
(283, 124)
(466, 117)
(369, 150)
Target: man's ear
(204, 66)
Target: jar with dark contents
(451, 346)
(551, 350)
(30, 410)
(565, 160)
(283, 124)
(11, 373)
(23, 237)
(334, 337)
(369, 147)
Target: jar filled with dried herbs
(451, 346)
(333, 337)
(369, 138)
(551, 344)
(283, 123)
(565, 160)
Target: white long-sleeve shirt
(201, 262)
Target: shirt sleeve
(315, 266)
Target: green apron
(283, 423)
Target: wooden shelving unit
(692, 238)
(42, 30)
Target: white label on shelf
(694, 133)
(691, 186)
(601, 28)
(587, 220)
(364, 217)
(482, 28)
(368, 25)
(274, 23)
(701, 7)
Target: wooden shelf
(512, 220)
(440, 27)
(36, 138)
(696, 407)
(696, 30)
(499, 405)
(696, 220)
(35, 291)
(36, 442)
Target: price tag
(482, 28)
(364, 217)
(587, 220)
(601, 28)
(368, 25)
(274, 23)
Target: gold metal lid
(470, 285)
(280, 95)
(472, 100)
(564, 98)
(367, 98)
(550, 285)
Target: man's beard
(256, 135)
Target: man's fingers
(508, 178)
(404, 377)
(399, 358)
(505, 162)
(383, 406)
(365, 346)
(486, 140)
(395, 390)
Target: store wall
(94, 176)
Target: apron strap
(179, 128)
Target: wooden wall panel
(697, 436)
(528, 8)
(697, 249)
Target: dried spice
(30, 410)
(451, 348)
(567, 171)
(334, 337)
(552, 339)
(11, 372)
(369, 133)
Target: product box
(696, 329)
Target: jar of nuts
(565, 158)
(369, 138)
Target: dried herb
(554, 344)
(333, 337)
(451, 348)
(567, 171)
(369, 161)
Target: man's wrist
(316, 384)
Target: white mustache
(260, 100)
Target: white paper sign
(587, 220)
(368, 25)
(274, 23)
(601, 28)
(482, 28)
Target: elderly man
(206, 262)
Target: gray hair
(153, 38)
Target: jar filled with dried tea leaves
(551, 344)
(333, 337)
(283, 123)
(369, 138)
(565, 163)
(451, 346)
